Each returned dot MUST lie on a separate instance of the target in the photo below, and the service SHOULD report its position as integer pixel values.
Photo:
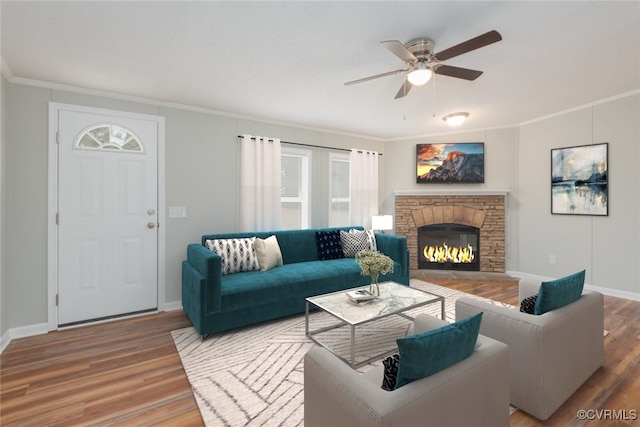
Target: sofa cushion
(352, 243)
(237, 254)
(425, 354)
(268, 253)
(291, 281)
(528, 305)
(329, 245)
(560, 292)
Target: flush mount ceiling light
(455, 119)
(420, 74)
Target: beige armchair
(552, 354)
(474, 391)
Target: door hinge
(57, 299)
(57, 218)
(57, 137)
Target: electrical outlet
(552, 259)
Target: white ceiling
(287, 61)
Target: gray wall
(519, 159)
(501, 148)
(606, 246)
(4, 301)
(201, 174)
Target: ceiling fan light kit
(455, 119)
(420, 75)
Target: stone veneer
(483, 210)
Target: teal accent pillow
(560, 292)
(425, 354)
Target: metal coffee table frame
(389, 291)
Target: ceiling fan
(422, 62)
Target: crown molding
(479, 192)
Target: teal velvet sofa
(217, 302)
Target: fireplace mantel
(440, 192)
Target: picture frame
(458, 162)
(579, 180)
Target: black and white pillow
(373, 246)
(237, 254)
(390, 372)
(352, 243)
(528, 304)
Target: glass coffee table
(394, 299)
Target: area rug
(253, 376)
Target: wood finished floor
(128, 372)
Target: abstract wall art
(579, 184)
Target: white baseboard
(606, 291)
(43, 328)
(173, 305)
(23, 332)
(4, 341)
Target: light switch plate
(177, 212)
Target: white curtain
(260, 174)
(363, 187)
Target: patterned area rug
(253, 376)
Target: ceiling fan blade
(404, 89)
(458, 72)
(397, 48)
(471, 44)
(377, 76)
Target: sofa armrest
(527, 287)
(551, 354)
(202, 274)
(336, 395)
(425, 322)
(394, 247)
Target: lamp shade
(382, 222)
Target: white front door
(107, 215)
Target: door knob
(151, 225)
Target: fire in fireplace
(449, 247)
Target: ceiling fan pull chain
(433, 95)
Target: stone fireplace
(473, 222)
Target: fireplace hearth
(449, 247)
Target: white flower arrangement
(373, 263)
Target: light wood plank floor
(128, 372)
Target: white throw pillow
(237, 254)
(268, 253)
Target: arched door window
(108, 137)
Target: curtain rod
(310, 145)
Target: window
(339, 190)
(295, 188)
(108, 137)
